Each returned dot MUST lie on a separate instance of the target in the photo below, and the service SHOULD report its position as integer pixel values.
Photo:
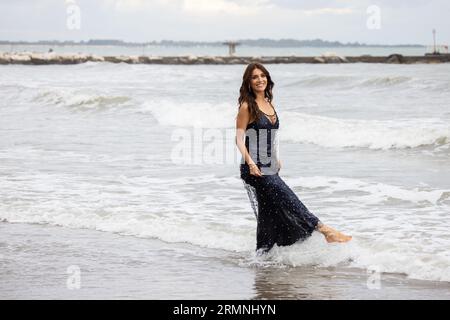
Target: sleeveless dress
(281, 217)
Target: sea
(147, 152)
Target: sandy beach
(37, 262)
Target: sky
(365, 21)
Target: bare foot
(337, 237)
(332, 235)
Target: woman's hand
(279, 164)
(254, 170)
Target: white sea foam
(319, 130)
(192, 114)
(79, 99)
(296, 127)
(381, 256)
(373, 134)
(372, 192)
(168, 209)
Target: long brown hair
(246, 92)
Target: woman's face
(258, 81)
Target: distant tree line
(246, 42)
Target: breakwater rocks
(31, 58)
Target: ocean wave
(128, 206)
(385, 81)
(368, 83)
(372, 134)
(319, 81)
(307, 128)
(377, 257)
(349, 81)
(372, 193)
(79, 99)
(191, 114)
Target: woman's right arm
(243, 118)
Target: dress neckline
(269, 115)
(268, 119)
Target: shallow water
(45, 262)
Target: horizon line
(211, 42)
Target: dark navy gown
(282, 219)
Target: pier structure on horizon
(231, 47)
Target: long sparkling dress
(282, 218)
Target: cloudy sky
(381, 21)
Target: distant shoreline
(269, 43)
(31, 58)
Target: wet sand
(51, 262)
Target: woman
(282, 218)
